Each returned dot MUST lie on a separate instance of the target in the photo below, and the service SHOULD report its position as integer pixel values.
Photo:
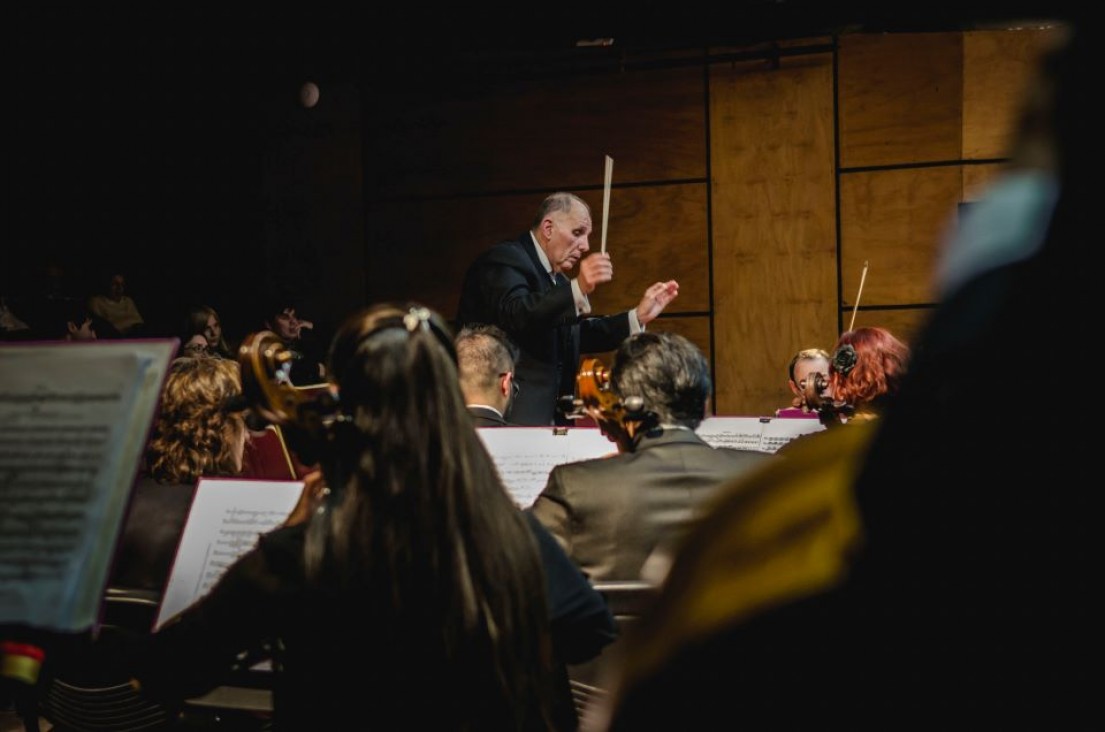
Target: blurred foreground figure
(934, 566)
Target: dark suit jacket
(507, 286)
(484, 417)
(610, 513)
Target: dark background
(138, 139)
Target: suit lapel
(542, 276)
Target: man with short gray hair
(610, 513)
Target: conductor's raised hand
(655, 299)
(593, 271)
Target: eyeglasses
(514, 387)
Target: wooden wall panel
(542, 135)
(978, 178)
(904, 324)
(896, 220)
(656, 233)
(696, 329)
(997, 67)
(900, 98)
(773, 225)
(421, 249)
(314, 218)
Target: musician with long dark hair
(415, 597)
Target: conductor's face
(567, 237)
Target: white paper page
(526, 455)
(740, 433)
(778, 432)
(226, 518)
(73, 424)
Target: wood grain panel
(696, 329)
(773, 225)
(997, 67)
(421, 249)
(896, 220)
(546, 134)
(900, 98)
(978, 178)
(657, 233)
(904, 324)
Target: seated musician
(802, 366)
(485, 363)
(194, 435)
(415, 595)
(865, 372)
(610, 513)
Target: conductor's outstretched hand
(655, 299)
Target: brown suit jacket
(610, 513)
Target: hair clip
(417, 316)
(844, 360)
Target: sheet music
(73, 423)
(778, 432)
(764, 434)
(226, 518)
(526, 455)
(739, 433)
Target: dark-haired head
(668, 372)
(418, 517)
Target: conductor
(523, 287)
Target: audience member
(11, 326)
(521, 286)
(116, 307)
(927, 566)
(610, 513)
(280, 317)
(203, 334)
(417, 562)
(194, 435)
(485, 362)
(47, 301)
(805, 363)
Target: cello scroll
(621, 420)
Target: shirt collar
(484, 406)
(542, 256)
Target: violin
(816, 398)
(622, 421)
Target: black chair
(627, 602)
(85, 691)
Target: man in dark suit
(521, 287)
(485, 364)
(611, 513)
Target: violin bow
(859, 294)
(608, 177)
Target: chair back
(627, 602)
(85, 691)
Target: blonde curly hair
(195, 434)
